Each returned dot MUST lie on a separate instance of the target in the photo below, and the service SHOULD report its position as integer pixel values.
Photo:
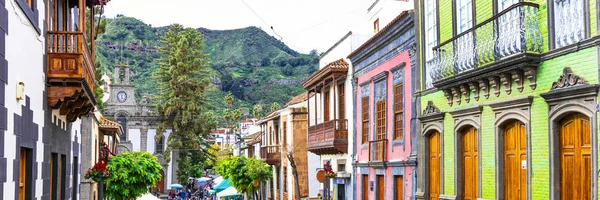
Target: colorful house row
(508, 99)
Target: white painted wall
(386, 11)
(24, 52)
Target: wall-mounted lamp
(20, 91)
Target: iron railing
(510, 32)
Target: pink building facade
(385, 145)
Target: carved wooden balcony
(500, 51)
(271, 155)
(377, 150)
(70, 74)
(330, 137)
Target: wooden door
(380, 187)
(399, 187)
(22, 173)
(515, 153)
(365, 187)
(470, 164)
(160, 184)
(575, 157)
(435, 154)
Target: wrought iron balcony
(71, 73)
(330, 137)
(377, 150)
(271, 154)
(512, 36)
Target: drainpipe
(353, 155)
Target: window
(341, 165)
(285, 175)
(63, 176)
(74, 190)
(160, 145)
(398, 112)
(380, 106)
(30, 3)
(365, 119)
(569, 22)
(341, 104)
(277, 175)
(25, 174)
(326, 106)
(464, 16)
(430, 35)
(121, 119)
(284, 135)
(376, 26)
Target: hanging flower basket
(97, 173)
(329, 173)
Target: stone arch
(431, 120)
(464, 118)
(570, 94)
(506, 112)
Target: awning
(222, 186)
(229, 192)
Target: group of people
(192, 192)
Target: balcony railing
(330, 137)
(271, 154)
(510, 32)
(71, 73)
(377, 150)
(70, 57)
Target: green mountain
(256, 67)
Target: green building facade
(508, 99)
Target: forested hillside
(256, 67)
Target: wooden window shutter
(365, 119)
(341, 104)
(398, 111)
(381, 110)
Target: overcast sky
(302, 24)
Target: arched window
(121, 119)
(160, 145)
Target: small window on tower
(376, 25)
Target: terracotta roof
(269, 117)
(383, 30)
(108, 125)
(338, 66)
(298, 99)
(231, 126)
(247, 121)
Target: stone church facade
(139, 121)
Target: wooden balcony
(330, 137)
(71, 74)
(377, 150)
(271, 155)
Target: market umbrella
(229, 192)
(222, 186)
(176, 186)
(204, 179)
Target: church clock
(122, 96)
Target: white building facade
(39, 113)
